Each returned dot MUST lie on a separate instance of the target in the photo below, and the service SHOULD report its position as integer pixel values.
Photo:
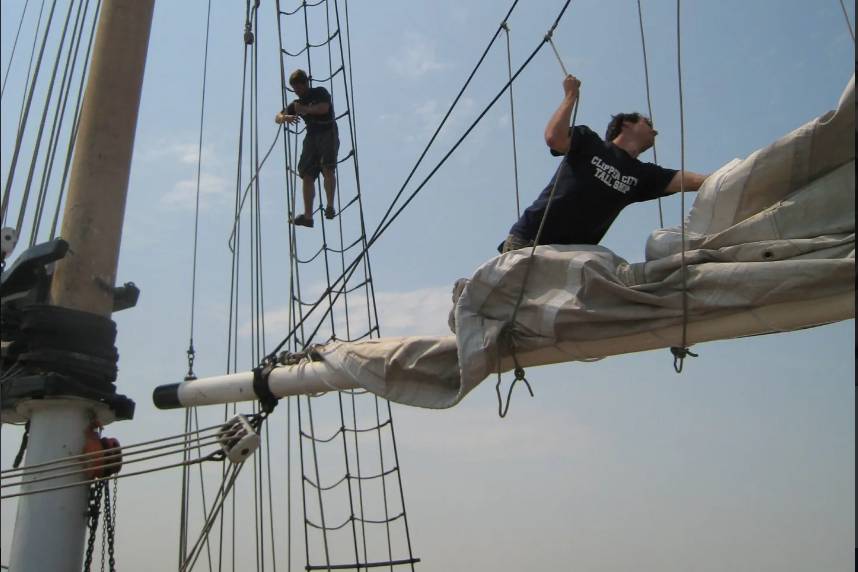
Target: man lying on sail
(596, 180)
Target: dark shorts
(319, 152)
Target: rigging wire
(14, 46)
(385, 224)
(106, 458)
(88, 457)
(192, 413)
(680, 353)
(30, 61)
(75, 123)
(848, 23)
(649, 102)
(22, 124)
(56, 127)
(42, 122)
(214, 456)
(191, 353)
(505, 26)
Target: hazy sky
(745, 462)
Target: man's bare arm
(692, 182)
(557, 135)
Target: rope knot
(679, 355)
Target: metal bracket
(29, 269)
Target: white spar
(307, 377)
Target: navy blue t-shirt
(315, 123)
(597, 180)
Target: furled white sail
(770, 247)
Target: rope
(848, 23)
(649, 102)
(505, 27)
(680, 353)
(506, 333)
(253, 179)
(556, 53)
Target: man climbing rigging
(321, 143)
(596, 180)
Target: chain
(93, 510)
(104, 528)
(191, 376)
(110, 524)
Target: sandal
(330, 213)
(302, 220)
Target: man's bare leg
(330, 184)
(309, 187)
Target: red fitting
(105, 464)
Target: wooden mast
(50, 527)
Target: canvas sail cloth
(770, 246)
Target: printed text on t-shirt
(611, 176)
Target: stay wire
(14, 46)
(56, 127)
(75, 123)
(90, 456)
(217, 509)
(22, 125)
(191, 352)
(649, 101)
(42, 123)
(30, 63)
(845, 17)
(214, 456)
(109, 459)
(98, 457)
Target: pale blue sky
(745, 462)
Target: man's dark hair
(615, 127)
(298, 76)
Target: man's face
(300, 88)
(643, 131)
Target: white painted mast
(50, 527)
